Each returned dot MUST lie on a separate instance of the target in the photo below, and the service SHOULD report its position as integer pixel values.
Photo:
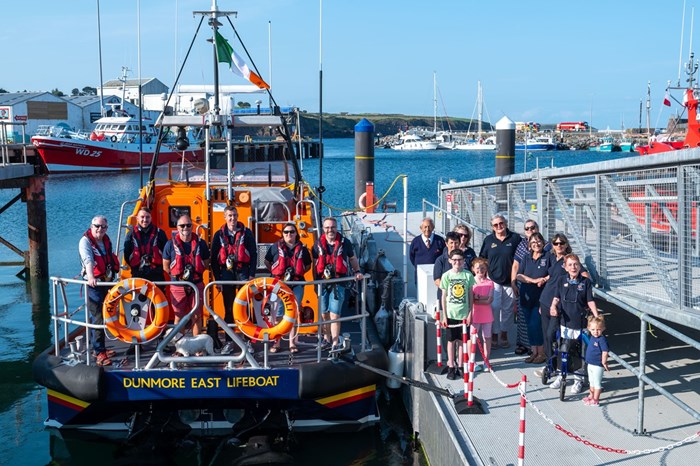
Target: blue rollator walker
(569, 342)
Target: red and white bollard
(469, 389)
(439, 337)
(521, 442)
(465, 351)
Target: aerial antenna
(320, 100)
(680, 52)
(99, 54)
(138, 66)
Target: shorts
(454, 333)
(595, 376)
(483, 330)
(181, 302)
(332, 299)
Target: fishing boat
(537, 143)
(605, 144)
(251, 388)
(118, 142)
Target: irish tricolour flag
(226, 54)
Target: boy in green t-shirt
(457, 303)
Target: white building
(36, 109)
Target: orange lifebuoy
(125, 301)
(262, 290)
(363, 198)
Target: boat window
(121, 127)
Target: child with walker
(457, 300)
(596, 359)
(573, 297)
(482, 315)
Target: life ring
(113, 138)
(262, 290)
(363, 198)
(134, 295)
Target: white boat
(414, 142)
(537, 143)
(480, 143)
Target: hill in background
(342, 125)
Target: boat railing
(64, 320)
(361, 313)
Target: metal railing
(634, 222)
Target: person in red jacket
(288, 260)
(100, 264)
(186, 257)
(143, 248)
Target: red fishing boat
(116, 143)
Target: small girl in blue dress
(596, 358)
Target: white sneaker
(577, 387)
(556, 384)
(228, 348)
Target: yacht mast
(480, 106)
(434, 103)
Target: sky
(544, 61)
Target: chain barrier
(313, 193)
(570, 434)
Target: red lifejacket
(144, 245)
(180, 260)
(336, 258)
(103, 262)
(284, 260)
(235, 248)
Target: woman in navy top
(532, 274)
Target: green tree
(3, 91)
(75, 91)
(87, 90)
(57, 93)
(243, 104)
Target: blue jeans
(534, 325)
(332, 299)
(298, 291)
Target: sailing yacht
(480, 143)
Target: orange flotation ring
(363, 198)
(126, 302)
(262, 291)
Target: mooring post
(35, 195)
(364, 159)
(505, 157)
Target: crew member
(289, 260)
(334, 258)
(143, 248)
(235, 259)
(186, 257)
(100, 264)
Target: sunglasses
(288, 232)
(463, 235)
(530, 228)
(185, 225)
(558, 243)
(499, 224)
(99, 227)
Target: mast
(649, 108)
(479, 106)
(99, 55)
(434, 102)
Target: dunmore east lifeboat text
(201, 382)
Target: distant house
(36, 109)
(90, 106)
(130, 88)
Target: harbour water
(72, 200)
